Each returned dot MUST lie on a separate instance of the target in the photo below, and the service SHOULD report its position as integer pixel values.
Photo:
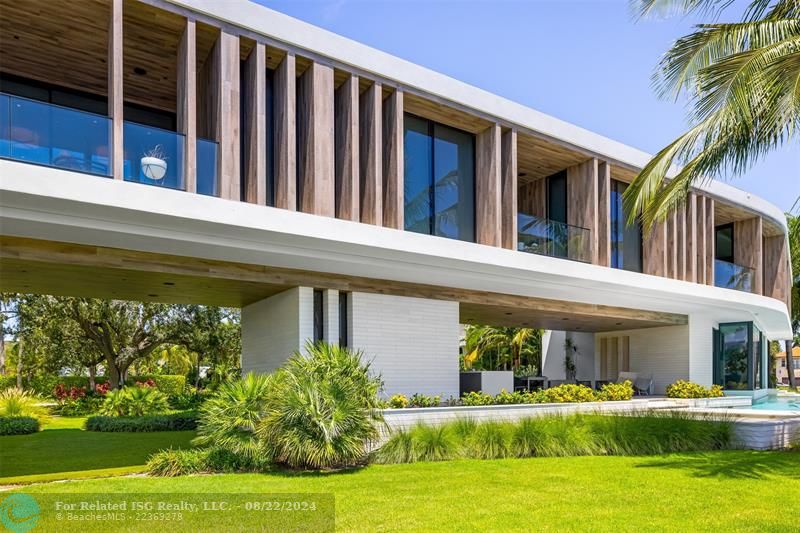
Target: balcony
(732, 276)
(207, 167)
(54, 136)
(555, 239)
(153, 156)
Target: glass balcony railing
(207, 167)
(55, 136)
(153, 156)
(731, 276)
(555, 239)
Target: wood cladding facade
(325, 139)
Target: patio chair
(643, 386)
(627, 376)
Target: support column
(655, 250)
(393, 161)
(116, 98)
(254, 128)
(508, 192)
(315, 138)
(224, 112)
(582, 201)
(371, 154)
(748, 236)
(710, 235)
(488, 228)
(604, 213)
(347, 150)
(187, 102)
(285, 134)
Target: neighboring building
(221, 153)
(781, 367)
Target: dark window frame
(723, 227)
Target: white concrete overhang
(275, 25)
(57, 205)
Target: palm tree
(742, 81)
(793, 223)
(507, 345)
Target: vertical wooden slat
(613, 358)
(224, 112)
(371, 153)
(532, 198)
(116, 98)
(748, 251)
(680, 242)
(672, 245)
(347, 150)
(254, 128)
(393, 161)
(691, 237)
(315, 162)
(700, 246)
(285, 134)
(710, 244)
(488, 229)
(604, 358)
(187, 102)
(582, 201)
(604, 213)
(508, 194)
(777, 282)
(655, 250)
(626, 354)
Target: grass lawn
(62, 450)
(731, 490)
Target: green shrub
(689, 389)
(134, 401)
(398, 401)
(18, 425)
(323, 410)
(191, 398)
(182, 421)
(88, 405)
(616, 392)
(170, 463)
(567, 393)
(420, 400)
(230, 418)
(17, 403)
(558, 436)
(513, 398)
(6, 382)
(476, 398)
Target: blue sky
(584, 61)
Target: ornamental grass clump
(18, 403)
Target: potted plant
(154, 163)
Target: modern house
(218, 152)
(782, 367)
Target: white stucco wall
(412, 342)
(660, 352)
(553, 354)
(275, 327)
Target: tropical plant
(231, 417)
(502, 347)
(398, 401)
(16, 403)
(615, 392)
(18, 425)
(134, 401)
(741, 82)
(689, 389)
(325, 408)
(570, 351)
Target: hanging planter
(154, 163)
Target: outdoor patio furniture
(643, 386)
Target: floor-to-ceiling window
(439, 184)
(626, 239)
(723, 243)
(740, 356)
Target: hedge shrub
(182, 421)
(689, 389)
(18, 425)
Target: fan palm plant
(742, 81)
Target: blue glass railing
(207, 167)
(153, 156)
(732, 276)
(555, 239)
(55, 136)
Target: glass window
(723, 245)
(626, 240)
(733, 364)
(319, 328)
(343, 320)
(439, 182)
(757, 359)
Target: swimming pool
(780, 403)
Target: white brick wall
(412, 342)
(701, 349)
(274, 328)
(662, 352)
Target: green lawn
(732, 490)
(62, 450)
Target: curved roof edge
(295, 32)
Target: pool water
(778, 404)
